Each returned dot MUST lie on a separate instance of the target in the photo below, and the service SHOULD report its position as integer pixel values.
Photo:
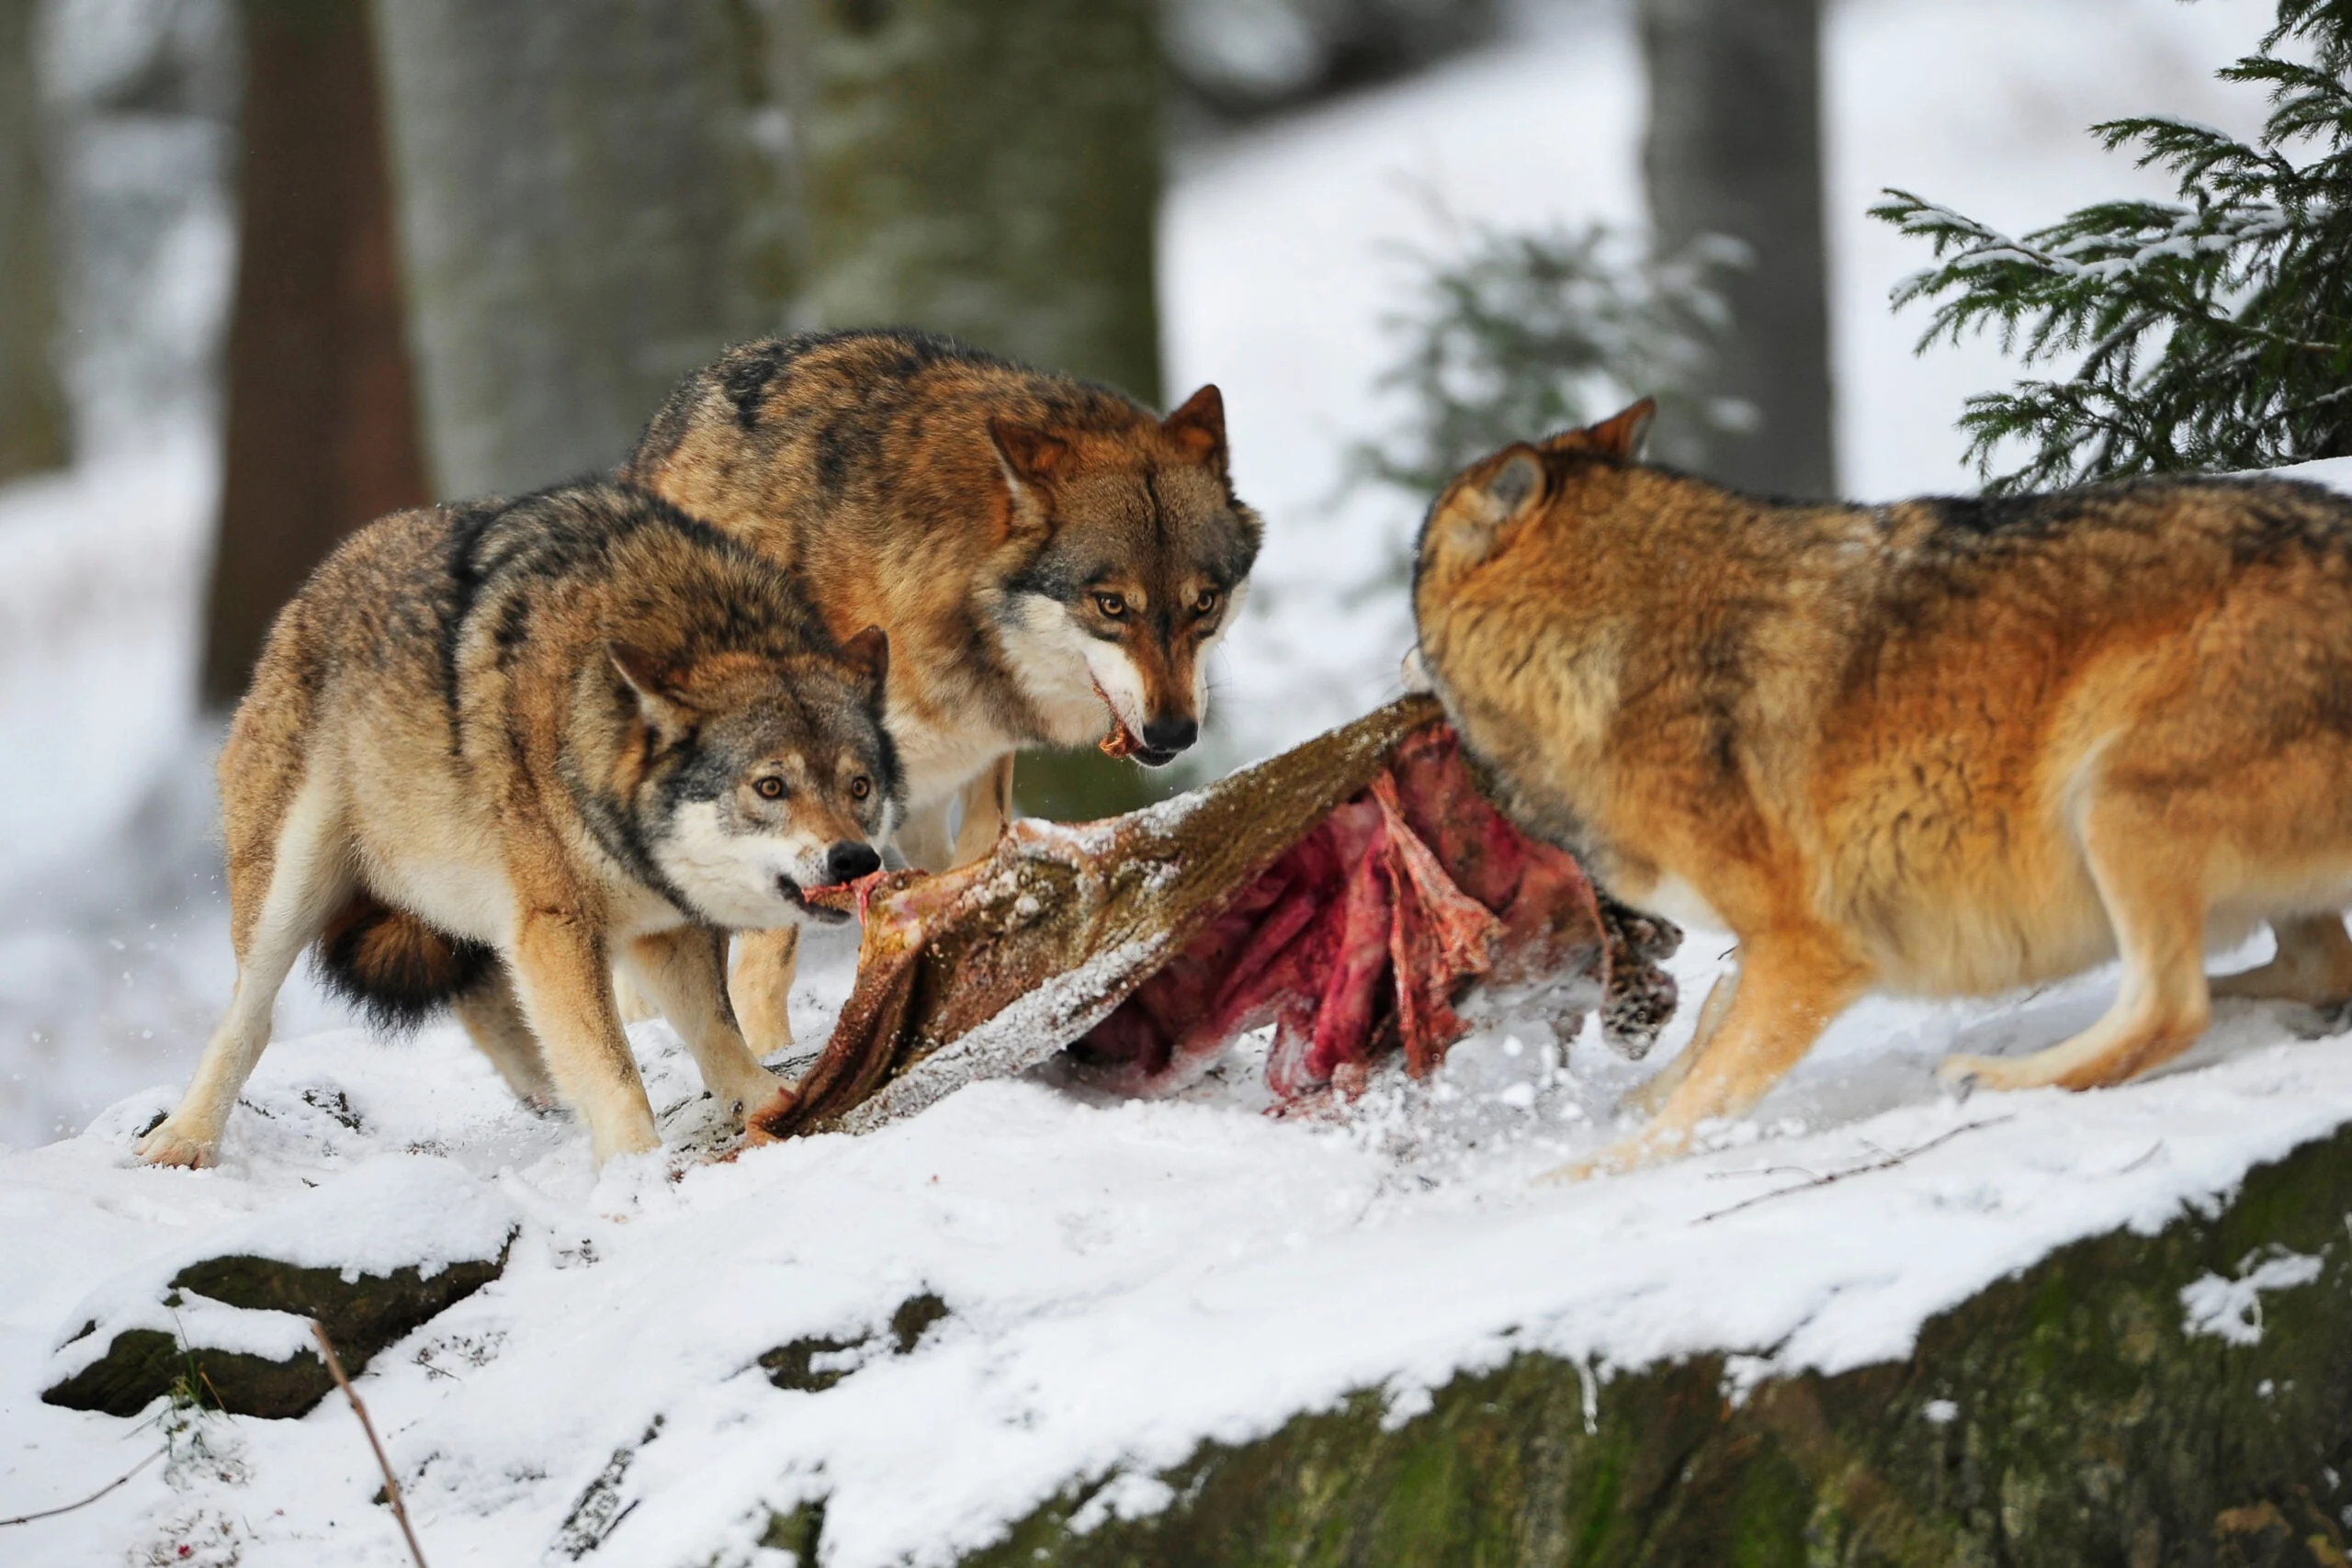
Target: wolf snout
(847, 861)
(1163, 737)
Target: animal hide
(1350, 892)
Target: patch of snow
(2231, 1309)
(1124, 1497)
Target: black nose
(847, 861)
(1170, 734)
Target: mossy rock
(361, 1316)
(2069, 1415)
(792, 1367)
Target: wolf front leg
(685, 971)
(563, 978)
(760, 985)
(306, 878)
(1789, 986)
(1651, 1095)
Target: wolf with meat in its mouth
(1052, 561)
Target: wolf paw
(167, 1145)
(743, 1096)
(1645, 1147)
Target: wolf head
(1128, 558)
(759, 776)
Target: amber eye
(768, 788)
(1205, 600)
(859, 787)
(1112, 604)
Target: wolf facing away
(491, 750)
(1945, 748)
(1051, 560)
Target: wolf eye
(1112, 604)
(859, 787)
(768, 788)
(1205, 600)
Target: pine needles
(2214, 332)
(1524, 333)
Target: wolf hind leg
(308, 878)
(494, 1017)
(2153, 890)
(923, 840)
(684, 971)
(634, 1006)
(987, 810)
(2313, 965)
(760, 985)
(1789, 986)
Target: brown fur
(545, 730)
(1004, 525)
(1944, 748)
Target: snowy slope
(1122, 1279)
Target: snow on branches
(2210, 333)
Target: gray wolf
(490, 750)
(1052, 561)
(1945, 747)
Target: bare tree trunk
(589, 209)
(33, 425)
(991, 168)
(321, 425)
(1735, 148)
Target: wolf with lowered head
(491, 750)
(1944, 748)
(1052, 561)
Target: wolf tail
(395, 968)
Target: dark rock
(361, 1316)
(792, 1366)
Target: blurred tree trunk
(33, 428)
(1735, 148)
(991, 168)
(591, 204)
(321, 425)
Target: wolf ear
(1198, 426)
(656, 683)
(1478, 512)
(1622, 436)
(1517, 485)
(1031, 454)
(868, 653)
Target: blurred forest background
(269, 268)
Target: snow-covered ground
(1122, 1279)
